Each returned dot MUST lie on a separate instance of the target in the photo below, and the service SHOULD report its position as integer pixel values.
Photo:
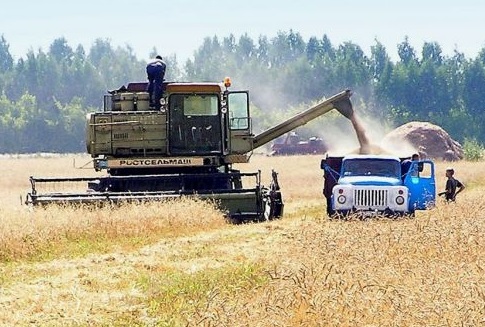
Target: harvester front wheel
(272, 206)
(268, 210)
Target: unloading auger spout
(341, 102)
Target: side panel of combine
(127, 133)
(99, 135)
(139, 133)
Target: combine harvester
(293, 145)
(187, 148)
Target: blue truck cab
(377, 184)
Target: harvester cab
(188, 147)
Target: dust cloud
(369, 134)
(332, 127)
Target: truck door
(239, 122)
(421, 183)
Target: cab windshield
(195, 124)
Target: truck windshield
(368, 167)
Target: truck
(376, 184)
(293, 145)
(186, 148)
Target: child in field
(453, 186)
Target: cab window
(238, 104)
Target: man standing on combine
(156, 75)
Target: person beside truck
(406, 165)
(453, 186)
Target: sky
(180, 26)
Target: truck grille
(371, 198)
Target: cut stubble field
(181, 264)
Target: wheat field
(180, 263)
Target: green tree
(432, 52)
(262, 51)
(245, 50)
(406, 52)
(455, 67)
(353, 66)
(6, 59)
(473, 99)
(380, 60)
(207, 63)
(60, 50)
(279, 53)
(328, 50)
(313, 49)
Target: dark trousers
(155, 75)
(155, 91)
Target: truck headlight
(341, 199)
(399, 200)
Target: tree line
(45, 96)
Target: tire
(267, 210)
(272, 207)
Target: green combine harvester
(186, 148)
